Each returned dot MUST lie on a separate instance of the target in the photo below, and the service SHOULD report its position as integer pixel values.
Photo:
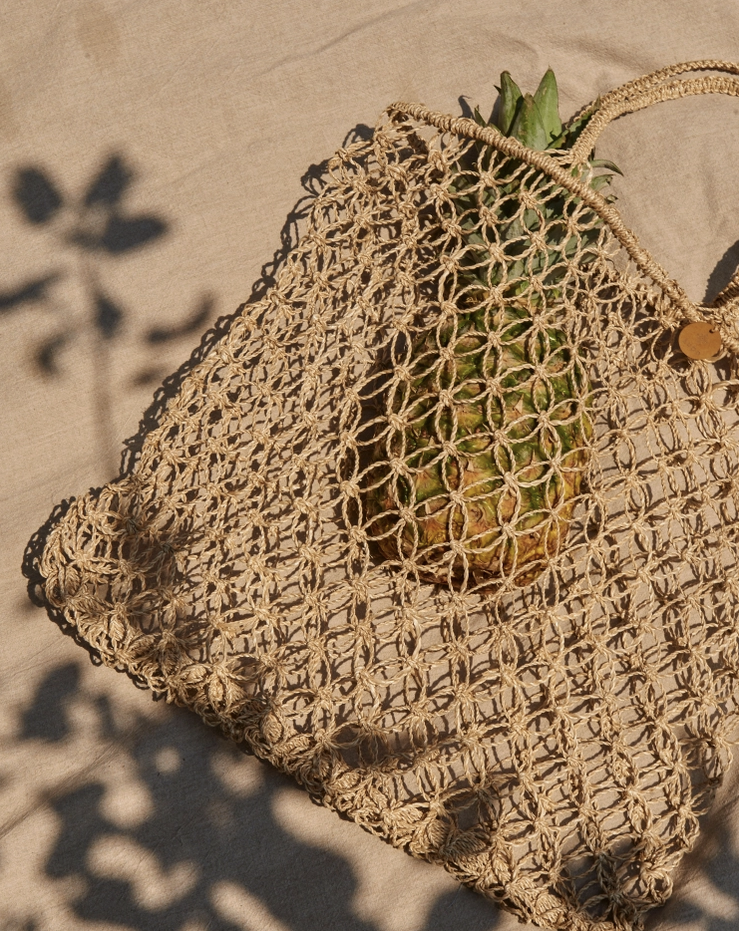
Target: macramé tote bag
(549, 734)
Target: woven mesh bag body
(549, 727)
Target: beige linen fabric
(199, 120)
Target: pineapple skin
(475, 476)
(482, 486)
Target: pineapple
(476, 468)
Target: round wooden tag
(700, 341)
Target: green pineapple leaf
(547, 100)
(600, 181)
(528, 126)
(572, 130)
(479, 118)
(604, 163)
(510, 99)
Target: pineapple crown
(534, 120)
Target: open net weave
(541, 701)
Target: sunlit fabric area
(163, 257)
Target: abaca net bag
(446, 527)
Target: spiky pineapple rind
(476, 475)
(485, 488)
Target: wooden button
(700, 341)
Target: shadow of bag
(544, 705)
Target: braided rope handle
(682, 307)
(653, 88)
(630, 97)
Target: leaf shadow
(230, 841)
(94, 225)
(724, 271)
(313, 181)
(47, 718)
(35, 290)
(707, 879)
(204, 847)
(36, 195)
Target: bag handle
(653, 88)
(635, 95)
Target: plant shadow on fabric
(151, 555)
(208, 850)
(195, 844)
(712, 868)
(725, 272)
(202, 843)
(89, 231)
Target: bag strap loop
(635, 95)
(653, 88)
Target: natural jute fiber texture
(549, 727)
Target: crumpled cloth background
(154, 159)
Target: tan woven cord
(544, 708)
